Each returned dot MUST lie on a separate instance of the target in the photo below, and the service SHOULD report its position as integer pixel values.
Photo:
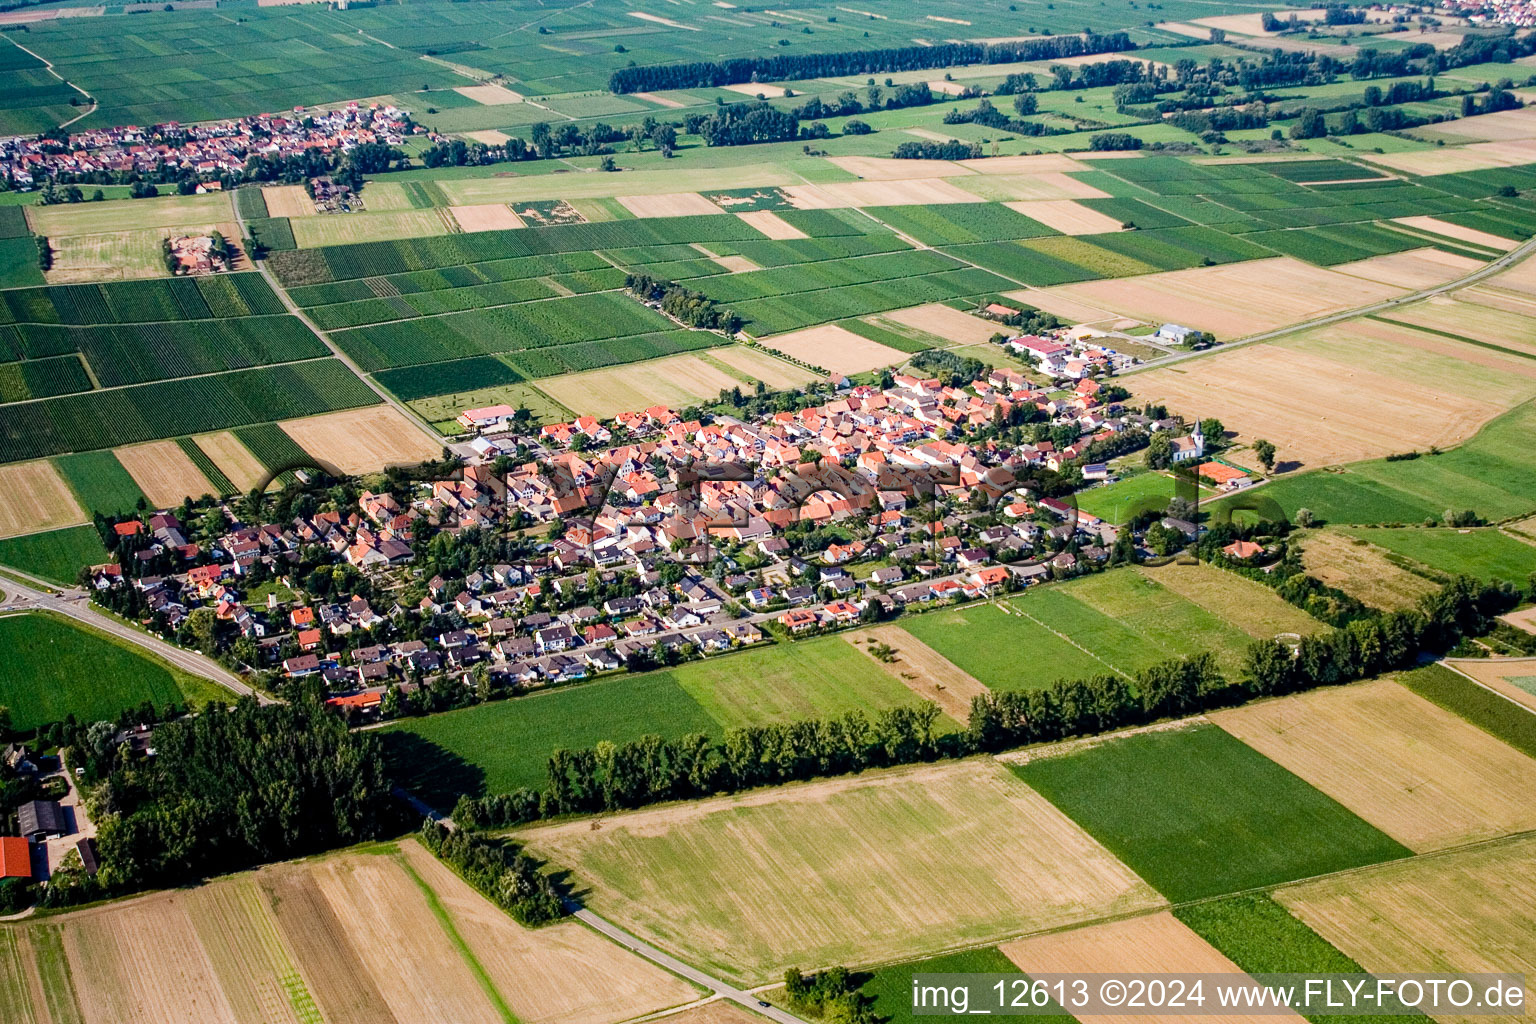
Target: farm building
(487, 416)
(15, 857)
(1175, 333)
(41, 819)
(87, 849)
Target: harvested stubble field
(1414, 269)
(724, 881)
(164, 473)
(1420, 774)
(771, 225)
(1362, 570)
(922, 670)
(1470, 910)
(359, 937)
(233, 459)
(36, 498)
(1066, 216)
(1317, 411)
(1459, 233)
(288, 201)
(674, 204)
(900, 192)
(1229, 301)
(1149, 943)
(676, 381)
(363, 440)
(124, 255)
(486, 217)
(131, 214)
(346, 228)
(774, 372)
(949, 324)
(835, 348)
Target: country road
(76, 605)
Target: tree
(1264, 451)
(1025, 104)
(1159, 451)
(1310, 125)
(1213, 431)
(1304, 517)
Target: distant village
(214, 150)
(649, 539)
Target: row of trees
(784, 67)
(984, 113)
(954, 149)
(610, 776)
(692, 308)
(500, 869)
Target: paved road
(357, 371)
(76, 605)
(1502, 263)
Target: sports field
(728, 882)
(51, 668)
(371, 934)
(1198, 813)
(1420, 774)
(1469, 910)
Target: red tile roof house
(1243, 550)
(15, 857)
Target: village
(649, 539)
(213, 151)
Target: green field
(1262, 937)
(891, 986)
(1197, 813)
(1488, 473)
(100, 482)
(1120, 501)
(817, 678)
(51, 668)
(1120, 621)
(1486, 553)
(57, 555)
(495, 748)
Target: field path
(346, 360)
(49, 65)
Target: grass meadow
(50, 668)
(1486, 553)
(56, 555)
(1487, 473)
(891, 986)
(1198, 813)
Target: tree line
(692, 308)
(614, 776)
(783, 67)
(500, 869)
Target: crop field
(722, 881)
(1485, 473)
(890, 987)
(232, 459)
(363, 440)
(835, 348)
(51, 668)
(498, 747)
(759, 366)
(345, 229)
(947, 324)
(1420, 774)
(527, 326)
(37, 497)
(447, 378)
(921, 669)
(165, 472)
(102, 482)
(1362, 570)
(384, 933)
(952, 224)
(1470, 910)
(146, 412)
(1497, 712)
(1417, 268)
(130, 214)
(182, 298)
(1152, 798)
(1487, 553)
(218, 483)
(1149, 943)
(57, 554)
(676, 381)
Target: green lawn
(1262, 937)
(818, 678)
(1488, 473)
(1123, 499)
(497, 747)
(1197, 813)
(1484, 553)
(57, 555)
(51, 668)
